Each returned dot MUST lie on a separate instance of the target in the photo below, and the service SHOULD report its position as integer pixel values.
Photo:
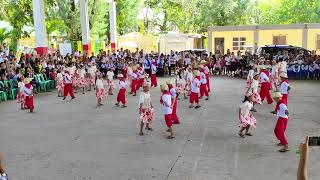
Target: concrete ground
(75, 140)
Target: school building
(221, 38)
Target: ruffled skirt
(147, 115)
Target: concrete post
(210, 41)
(113, 25)
(40, 27)
(84, 19)
(305, 36)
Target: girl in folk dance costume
(20, 94)
(68, 85)
(134, 81)
(195, 90)
(253, 90)
(122, 91)
(60, 85)
(245, 116)
(174, 96)
(146, 110)
(165, 101)
(110, 75)
(284, 90)
(265, 85)
(181, 83)
(274, 75)
(28, 93)
(130, 71)
(279, 130)
(81, 81)
(203, 81)
(154, 82)
(91, 75)
(250, 77)
(100, 91)
(189, 79)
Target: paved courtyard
(75, 140)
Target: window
(238, 43)
(279, 40)
(318, 41)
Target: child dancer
(20, 95)
(154, 82)
(189, 79)
(134, 81)
(68, 85)
(140, 76)
(60, 85)
(245, 116)
(203, 81)
(146, 110)
(279, 130)
(174, 96)
(284, 90)
(122, 91)
(91, 75)
(81, 81)
(110, 75)
(100, 91)
(265, 85)
(165, 100)
(28, 93)
(195, 90)
(253, 90)
(181, 83)
(206, 72)
(250, 77)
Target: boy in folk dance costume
(203, 81)
(122, 91)
(28, 93)
(279, 130)
(174, 96)
(134, 81)
(141, 76)
(207, 73)
(165, 100)
(265, 85)
(284, 90)
(68, 87)
(154, 82)
(195, 90)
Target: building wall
(294, 36)
(228, 38)
(312, 39)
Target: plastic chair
(42, 84)
(46, 82)
(3, 94)
(51, 82)
(13, 91)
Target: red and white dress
(111, 85)
(246, 117)
(81, 81)
(253, 90)
(100, 90)
(249, 78)
(189, 79)
(147, 112)
(59, 80)
(91, 75)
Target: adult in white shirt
(279, 131)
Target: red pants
(285, 101)
(208, 83)
(265, 92)
(154, 80)
(168, 119)
(203, 90)
(194, 97)
(122, 96)
(280, 129)
(29, 103)
(140, 83)
(134, 86)
(68, 90)
(175, 118)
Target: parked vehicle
(274, 49)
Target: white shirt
(283, 66)
(264, 77)
(59, 77)
(145, 100)
(250, 74)
(20, 86)
(134, 76)
(195, 86)
(173, 92)
(81, 73)
(282, 111)
(153, 69)
(67, 78)
(26, 91)
(187, 61)
(122, 85)
(166, 99)
(245, 108)
(254, 86)
(275, 71)
(203, 78)
(99, 84)
(284, 86)
(110, 75)
(189, 77)
(206, 70)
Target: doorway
(219, 45)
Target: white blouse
(145, 100)
(245, 108)
(99, 84)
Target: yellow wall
(312, 39)
(228, 38)
(294, 36)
